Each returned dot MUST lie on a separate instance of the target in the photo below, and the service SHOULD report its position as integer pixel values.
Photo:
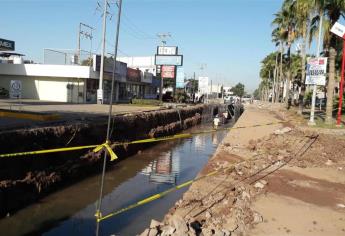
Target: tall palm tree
(280, 37)
(303, 9)
(286, 21)
(332, 10)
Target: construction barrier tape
(113, 156)
(156, 196)
(105, 145)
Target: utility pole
(312, 112)
(87, 34)
(100, 92)
(99, 205)
(163, 38)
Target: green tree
(238, 90)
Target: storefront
(133, 88)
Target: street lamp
(339, 30)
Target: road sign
(179, 77)
(339, 30)
(316, 71)
(7, 45)
(168, 72)
(169, 60)
(16, 89)
(167, 50)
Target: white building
(75, 83)
(227, 91)
(61, 83)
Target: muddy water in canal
(70, 211)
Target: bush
(336, 104)
(181, 96)
(148, 102)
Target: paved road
(65, 110)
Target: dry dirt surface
(272, 180)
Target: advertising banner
(133, 75)
(168, 72)
(316, 71)
(179, 77)
(169, 60)
(15, 89)
(7, 45)
(121, 67)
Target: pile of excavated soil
(291, 167)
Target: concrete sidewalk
(66, 112)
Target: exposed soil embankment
(272, 180)
(24, 179)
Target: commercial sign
(168, 72)
(203, 85)
(338, 29)
(316, 71)
(133, 75)
(15, 89)
(7, 45)
(179, 77)
(167, 50)
(169, 60)
(120, 70)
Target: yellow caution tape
(158, 195)
(66, 149)
(150, 140)
(113, 155)
(105, 145)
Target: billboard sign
(121, 67)
(167, 50)
(133, 75)
(168, 72)
(203, 85)
(7, 45)
(169, 60)
(338, 29)
(15, 89)
(179, 77)
(316, 71)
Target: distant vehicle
(168, 97)
(247, 98)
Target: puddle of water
(70, 211)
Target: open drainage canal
(71, 210)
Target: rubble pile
(221, 204)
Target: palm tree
(268, 65)
(280, 36)
(303, 9)
(285, 22)
(332, 10)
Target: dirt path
(271, 180)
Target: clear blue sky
(230, 36)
